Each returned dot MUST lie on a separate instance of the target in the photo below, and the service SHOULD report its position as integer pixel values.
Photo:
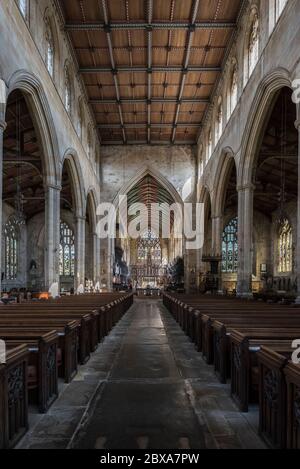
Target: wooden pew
(222, 332)
(292, 376)
(67, 334)
(243, 346)
(13, 397)
(42, 361)
(273, 394)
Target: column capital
(80, 217)
(215, 216)
(55, 187)
(244, 187)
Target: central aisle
(144, 402)
(159, 393)
(145, 387)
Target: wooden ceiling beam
(153, 101)
(159, 68)
(189, 43)
(145, 125)
(114, 26)
(113, 65)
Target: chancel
(150, 225)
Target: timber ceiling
(150, 66)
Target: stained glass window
(285, 248)
(149, 246)
(66, 251)
(11, 251)
(230, 247)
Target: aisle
(145, 387)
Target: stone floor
(145, 387)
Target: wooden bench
(243, 347)
(273, 394)
(42, 364)
(292, 376)
(13, 397)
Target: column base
(245, 295)
(297, 301)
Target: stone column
(217, 230)
(2, 129)
(297, 248)
(52, 239)
(96, 261)
(245, 241)
(80, 255)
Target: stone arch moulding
(32, 88)
(145, 171)
(91, 199)
(225, 163)
(77, 180)
(266, 92)
(206, 198)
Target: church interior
(146, 338)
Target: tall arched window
(23, 5)
(10, 251)
(253, 44)
(149, 247)
(209, 146)
(230, 247)
(66, 251)
(49, 49)
(285, 247)
(90, 141)
(67, 91)
(276, 8)
(80, 118)
(233, 92)
(219, 122)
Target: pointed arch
(222, 175)
(71, 159)
(148, 171)
(91, 206)
(37, 102)
(258, 118)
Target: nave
(145, 387)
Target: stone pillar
(96, 261)
(2, 129)
(297, 248)
(52, 239)
(80, 255)
(217, 231)
(245, 241)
